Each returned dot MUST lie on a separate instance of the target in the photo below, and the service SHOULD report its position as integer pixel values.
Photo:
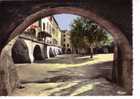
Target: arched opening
(69, 51)
(59, 52)
(51, 52)
(20, 53)
(37, 53)
(120, 39)
(45, 51)
(54, 52)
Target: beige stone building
(40, 40)
(66, 43)
(49, 27)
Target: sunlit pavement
(68, 75)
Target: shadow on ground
(83, 79)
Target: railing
(37, 41)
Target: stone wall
(8, 74)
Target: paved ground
(68, 75)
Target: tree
(90, 29)
(95, 35)
(87, 33)
(77, 36)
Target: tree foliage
(85, 32)
(77, 34)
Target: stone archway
(20, 53)
(37, 53)
(119, 38)
(68, 51)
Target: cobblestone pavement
(68, 75)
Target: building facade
(66, 43)
(40, 40)
(46, 30)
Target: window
(39, 23)
(64, 40)
(43, 26)
(64, 35)
(68, 45)
(53, 30)
(64, 45)
(47, 26)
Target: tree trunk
(74, 50)
(77, 50)
(91, 51)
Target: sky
(64, 20)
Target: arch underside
(20, 53)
